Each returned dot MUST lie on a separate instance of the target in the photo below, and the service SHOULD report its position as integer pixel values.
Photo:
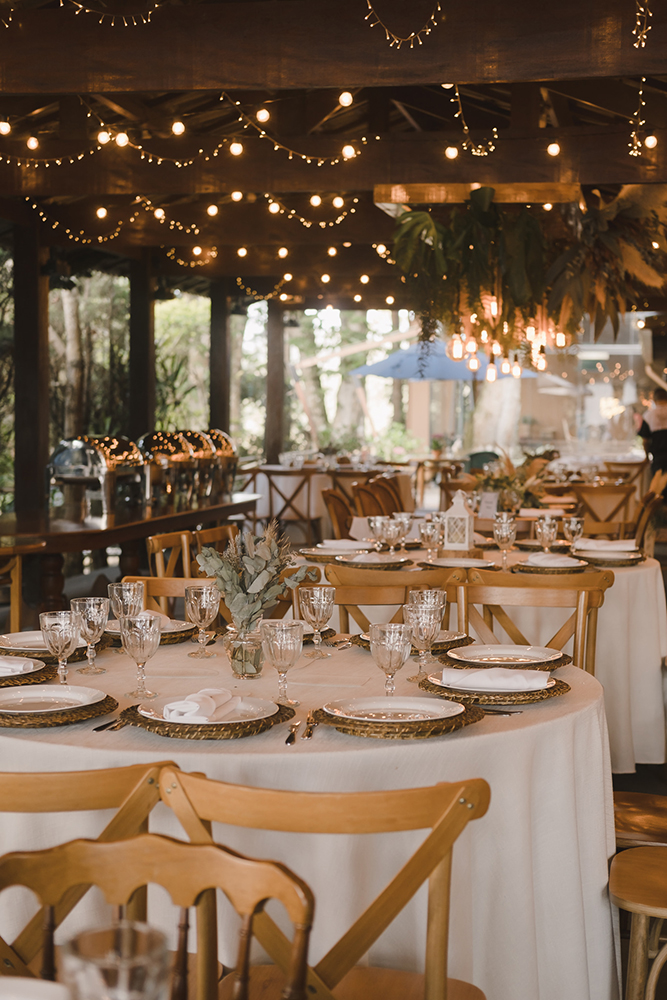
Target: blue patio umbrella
(428, 362)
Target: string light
(547, 206)
(159, 214)
(178, 128)
(651, 141)
(357, 298)
(242, 252)
(274, 207)
(236, 148)
(103, 137)
(32, 142)
(212, 253)
(5, 127)
(491, 372)
(637, 121)
(325, 279)
(364, 279)
(129, 20)
(256, 295)
(381, 249)
(236, 196)
(332, 251)
(505, 366)
(338, 202)
(390, 300)
(345, 99)
(451, 152)
(283, 252)
(101, 213)
(483, 148)
(263, 115)
(77, 236)
(197, 251)
(553, 149)
(315, 201)
(287, 276)
(122, 139)
(212, 210)
(643, 15)
(349, 152)
(398, 40)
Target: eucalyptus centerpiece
(517, 486)
(251, 576)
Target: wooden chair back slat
(648, 507)
(369, 503)
(157, 588)
(602, 504)
(179, 546)
(388, 495)
(340, 512)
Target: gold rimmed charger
(63, 717)
(437, 647)
(563, 660)
(171, 638)
(612, 563)
(77, 656)
(547, 570)
(495, 697)
(205, 731)
(422, 730)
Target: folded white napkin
(606, 544)
(550, 559)
(359, 528)
(496, 679)
(13, 665)
(344, 544)
(154, 614)
(207, 705)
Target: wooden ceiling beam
(297, 44)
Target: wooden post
(220, 357)
(142, 348)
(275, 383)
(31, 371)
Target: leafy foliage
(518, 486)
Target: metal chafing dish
(203, 451)
(92, 476)
(226, 460)
(170, 468)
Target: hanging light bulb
(547, 206)
(325, 279)
(530, 334)
(242, 252)
(349, 152)
(315, 200)
(212, 210)
(274, 207)
(541, 363)
(178, 128)
(236, 195)
(287, 276)
(33, 142)
(5, 127)
(263, 115)
(452, 152)
(390, 300)
(122, 139)
(473, 363)
(332, 251)
(345, 99)
(197, 251)
(505, 366)
(103, 137)
(553, 149)
(101, 213)
(484, 336)
(455, 349)
(641, 324)
(357, 298)
(364, 279)
(496, 348)
(651, 141)
(381, 248)
(493, 306)
(471, 345)
(561, 339)
(491, 372)
(283, 251)
(516, 370)
(236, 148)
(338, 202)
(283, 297)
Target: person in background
(653, 430)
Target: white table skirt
(530, 912)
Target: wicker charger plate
(612, 563)
(166, 638)
(46, 673)
(498, 698)
(326, 633)
(47, 720)
(562, 661)
(77, 656)
(206, 731)
(422, 730)
(437, 647)
(546, 570)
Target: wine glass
(202, 604)
(93, 615)
(141, 638)
(390, 648)
(391, 533)
(405, 522)
(425, 623)
(60, 630)
(546, 529)
(573, 529)
(376, 525)
(125, 960)
(317, 604)
(504, 534)
(282, 643)
(429, 532)
(127, 599)
(430, 598)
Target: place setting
(609, 553)
(547, 562)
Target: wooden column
(220, 362)
(31, 371)
(142, 348)
(275, 383)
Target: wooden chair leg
(637, 957)
(654, 937)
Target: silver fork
(338, 643)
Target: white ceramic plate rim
(77, 695)
(360, 561)
(343, 545)
(444, 635)
(528, 654)
(11, 641)
(437, 679)
(35, 665)
(173, 625)
(572, 565)
(614, 556)
(154, 711)
(532, 543)
(451, 562)
(342, 708)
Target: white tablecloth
(530, 913)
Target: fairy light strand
(77, 236)
(127, 20)
(291, 213)
(395, 41)
(637, 121)
(643, 15)
(256, 295)
(172, 255)
(484, 148)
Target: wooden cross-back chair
(291, 497)
(131, 791)
(340, 512)
(444, 810)
(583, 592)
(178, 545)
(368, 502)
(357, 588)
(186, 871)
(388, 492)
(215, 538)
(604, 508)
(11, 573)
(647, 508)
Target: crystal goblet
(405, 521)
(390, 648)
(573, 528)
(317, 604)
(282, 643)
(120, 962)
(376, 525)
(202, 604)
(391, 533)
(141, 638)
(425, 623)
(504, 534)
(546, 529)
(60, 630)
(429, 532)
(127, 599)
(93, 615)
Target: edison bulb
(364, 279)
(283, 251)
(390, 300)
(505, 366)
(284, 297)
(541, 365)
(5, 128)
(655, 245)
(530, 334)
(212, 210)
(33, 142)
(103, 137)
(651, 141)
(332, 251)
(287, 276)
(326, 278)
(315, 200)
(263, 115)
(196, 251)
(338, 202)
(473, 363)
(451, 152)
(101, 213)
(236, 195)
(560, 339)
(516, 370)
(349, 152)
(455, 348)
(640, 324)
(122, 139)
(491, 372)
(357, 298)
(345, 99)
(381, 248)
(159, 213)
(496, 348)
(178, 128)
(553, 149)
(236, 148)
(274, 207)
(547, 206)
(242, 252)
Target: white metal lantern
(459, 525)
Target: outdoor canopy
(428, 361)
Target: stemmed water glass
(504, 534)
(425, 623)
(376, 525)
(391, 533)
(141, 638)
(202, 604)
(114, 963)
(60, 630)
(390, 648)
(405, 521)
(127, 599)
(282, 643)
(317, 604)
(546, 529)
(429, 532)
(93, 615)
(573, 529)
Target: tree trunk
(236, 330)
(73, 363)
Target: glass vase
(244, 649)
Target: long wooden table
(60, 536)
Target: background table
(530, 914)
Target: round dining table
(530, 913)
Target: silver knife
(292, 733)
(310, 725)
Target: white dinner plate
(504, 654)
(344, 545)
(47, 698)
(250, 708)
(383, 709)
(464, 562)
(20, 667)
(26, 640)
(378, 559)
(442, 636)
(171, 625)
(615, 555)
(532, 543)
(437, 679)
